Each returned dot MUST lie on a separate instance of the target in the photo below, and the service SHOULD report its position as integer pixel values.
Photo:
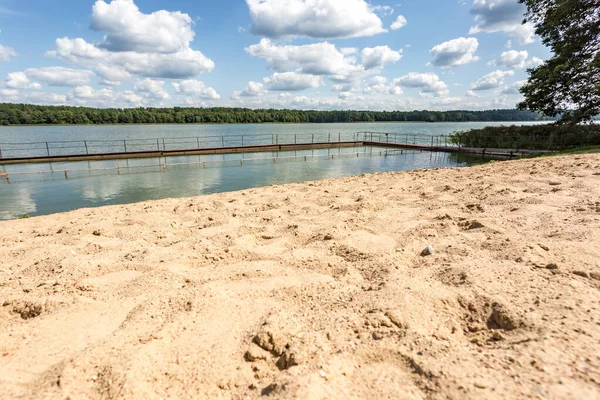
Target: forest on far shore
(25, 114)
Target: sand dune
(316, 291)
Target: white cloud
(534, 62)
(43, 98)
(316, 59)
(112, 76)
(155, 45)
(192, 87)
(502, 16)
(19, 80)
(377, 57)
(429, 83)
(6, 53)
(253, 89)
(383, 10)
(513, 89)
(292, 81)
(127, 29)
(152, 89)
(377, 84)
(445, 102)
(107, 97)
(471, 93)
(493, 80)
(60, 76)
(455, 52)
(399, 23)
(318, 19)
(511, 59)
(516, 59)
(184, 64)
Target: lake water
(99, 183)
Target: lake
(100, 183)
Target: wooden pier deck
(489, 152)
(184, 152)
(500, 153)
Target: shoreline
(277, 123)
(317, 289)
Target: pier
(89, 150)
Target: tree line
(25, 114)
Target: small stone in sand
(583, 274)
(428, 251)
(551, 266)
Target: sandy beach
(318, 290)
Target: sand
(316, 290)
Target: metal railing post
(295, 139)
(157, 145)
(164, 148)
(242, 140)
(47, 149)
(86, 148)
(198, 142)
(0, 152)
(222, 141)
(125, 145)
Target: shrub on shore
(537, 137)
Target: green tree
(569, 82)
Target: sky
(298, 54)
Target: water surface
(100, 183)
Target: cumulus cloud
(316, 59)
(377, 57)
(377, 84)
(193, 87)
(107, 97)
(534, 62)
(516, 60)
(511, 59)
(317, 19)
(14, 96)
(153, 45)
(514, 88)
(383, 10)
(399, 23)
(253, 89)
(502, 16)
(6, 53)
(184, 64)
(429, 83)
(60, 76)
(19, 80)
(152, 89)
(493, 80)
(455, 52)
(292, 81)
(111, 76)
(128, 29)
(324, 59)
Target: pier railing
(125, 146)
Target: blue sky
(306, 54)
